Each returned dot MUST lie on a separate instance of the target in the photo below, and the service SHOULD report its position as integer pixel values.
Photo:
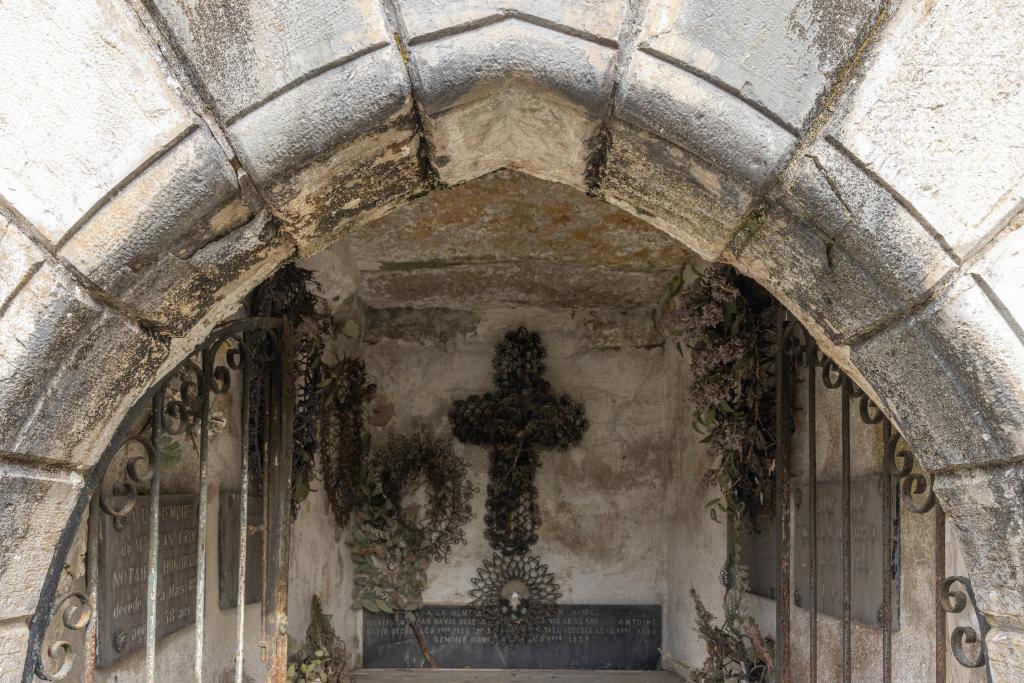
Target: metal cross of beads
(520, 418)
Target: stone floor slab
(503, 676)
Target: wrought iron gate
(255, 356)
(798, 359)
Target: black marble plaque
(624, 637)
(124, 573)
(868, 557)
(227, 555)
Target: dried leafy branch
(727, 323)
(343, 441)
(323, 658)
(397, 536)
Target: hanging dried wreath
(342, 439)
(397, 536)
(514, 596)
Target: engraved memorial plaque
(622, 637)
(124, 573)
(227, 557)
(868, 556)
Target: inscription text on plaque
(124, 573)
(579, 637)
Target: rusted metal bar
(847, 621)
(812, 503)
(887, 552)
(153, 577)
(204, 485)
(92, 577)
(280, 508)
(784, 409)
(243, 514)
(940, 577)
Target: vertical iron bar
(264, 443)
(812, 507)
(204, 484)
(783, 411)
(92, 577)
(280, 504)
(847, 650)
(940, 576)
(152, 580)
(887, 551)
(243, 515)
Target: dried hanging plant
(737, 650)
(290, 294)
(342, 438)
(323, 658)
(727, 322)
(397, 536)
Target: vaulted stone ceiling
(508, 239)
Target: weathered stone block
(950, 378)
(337, 149)
(187, 199)
(987, 512)
(938, 111)
(831, 192)
(423, 19)
(782, 55)
(1001, 270)
(700, 117)
(690, 199)
(13, 646)
(19, 257)
(64, 149)
(803, 264)
(508, 216)
(515, 95)
(1005, 654)
(67, 367)
(248, 51)
(34, 504)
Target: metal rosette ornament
(514, 597)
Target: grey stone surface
(1005, 653)
(247, 51)
(781, 54)
(1000, 271)
(512, 94)
(691, 200)
(986, 509)
(19, 257)
(818, 274)
(183, 203)
(65, 367)
(64, 147)
(13, 643)
(456, 676)
(421, 19)
(948, 376)
(937, 114)
(33, 505)
(507, 216)
(338, 148)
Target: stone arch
(862, 160)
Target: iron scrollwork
(954, 601)
(75, 613)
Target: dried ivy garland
(727, 322)
(396, 538)
(342, 438)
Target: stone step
(506, 675)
